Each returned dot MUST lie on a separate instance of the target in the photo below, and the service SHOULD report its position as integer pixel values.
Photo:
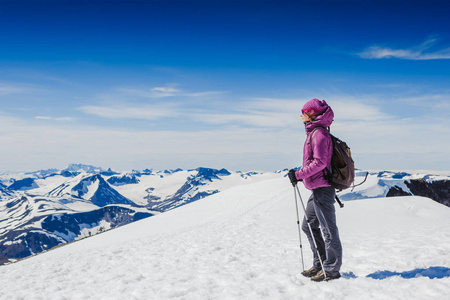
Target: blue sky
(167, 84)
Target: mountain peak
(83, 167)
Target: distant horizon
(418, 171)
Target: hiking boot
(321, 277)
(310, 273)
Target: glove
(292, 177)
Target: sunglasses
(304, 111)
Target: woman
(320, 211)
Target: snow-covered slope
(42, 209)
(47, 209)
(242, 243)
(168, 189)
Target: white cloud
(259, 112)
(428, 101)
(6, 89)
(204, 94)
(256, 133)
(147, 93)
(250, 119)
(33, 147)
(247, 113)
(283, 112)
(256, 112)
(416, 53)
(166, 91)
(55, 118)
(8, 123)
(356, 110)
(145, 112)
(145, 104)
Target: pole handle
(339, 201)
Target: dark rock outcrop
(438, 190)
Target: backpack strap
(326, 172)
(314, 130)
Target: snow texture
(243, 243)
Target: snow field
(243, 243)
(170, 183)
(165, 186)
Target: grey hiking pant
(321, 214)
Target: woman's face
(306, 118)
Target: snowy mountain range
(47, 208)
(239, 243)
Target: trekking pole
(299, 231)
(310, 230)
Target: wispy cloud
(166, 91)
(59, 119)
(6, 89)
(147, 104)
(254, 112)
(355, 110)
(248, 120)
(421, 52)
(145, 112)
(155, 92)
(426, 99)
(245, 113)
(251, 132)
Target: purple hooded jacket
(317, 154)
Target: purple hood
(324, 119)
(318, 148)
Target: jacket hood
(323, 120)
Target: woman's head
(315, 108)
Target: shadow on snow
(431, 272)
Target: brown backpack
(341, 174)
